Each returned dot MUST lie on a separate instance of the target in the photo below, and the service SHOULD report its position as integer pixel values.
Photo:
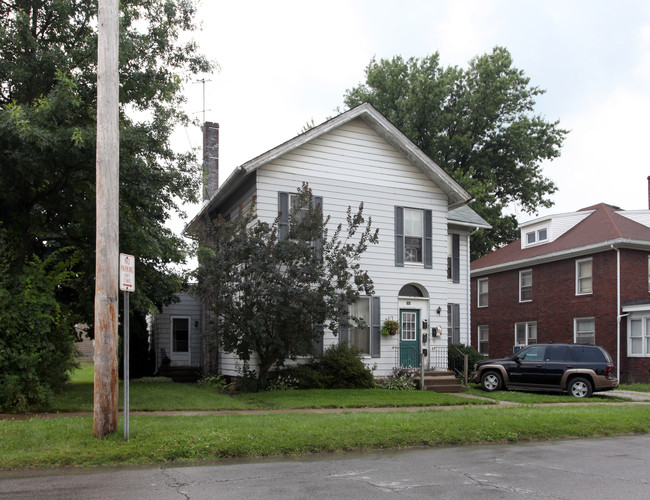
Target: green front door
(409, 346)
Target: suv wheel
(580, 387)
(491, 381)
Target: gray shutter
(455, 258)
(456, 323)
(375, 327)
(428, 239)
(283, 212)
(399, 236)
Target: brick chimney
(210, 159)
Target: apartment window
(413, 237)
(482, 286)
(526, 333)
(364, 329)
(584, 276)
(526, 285)
(287, 201)
(638, 337)
(360, 325)
(537, 236)
(585, 331)
(413, 234)
(180, 334)
(483, 346)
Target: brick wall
(555, 305)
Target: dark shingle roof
(605, 225)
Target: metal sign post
(127, 284)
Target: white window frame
(580, 278)
(648, 273)
(482, 299)
(413, 229)
(172, 334)
(528, 325)
(483, 339)
(356, 331)
(521, 285)
(577, 322)
(644, 337)
(536, 236)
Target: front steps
(439, 381)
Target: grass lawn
(538, 397)
(69, 441)
(49, 442)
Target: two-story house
(580, 277)
(420, 267)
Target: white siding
(352, 165)
(187, 307)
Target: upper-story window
(413, 234)
(482, 289)
(536, 236)
(526, 285)
(584, 276)
(413, 237)
(288, 206)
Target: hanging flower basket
(390, 327)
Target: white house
(420, 268)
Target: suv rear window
(587, 354)
(558, 353)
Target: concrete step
(439, 381)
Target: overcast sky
(284, 63)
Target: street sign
(127, 272)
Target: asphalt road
(604, 468)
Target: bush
(340, 367)
(456, 359)
(37, 338)
(219, 383)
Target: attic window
(537, 236)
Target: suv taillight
(609, 371)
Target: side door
(409, 345)
(558, 360)
(528, 366)
(180, 341)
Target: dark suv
(577, 369)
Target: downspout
(618, 312)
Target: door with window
(180, 341)
(409, 347)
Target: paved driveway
(575, 469)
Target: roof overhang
(564, 254)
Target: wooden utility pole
(107, 235)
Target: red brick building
(580, 277)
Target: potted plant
(390, 327)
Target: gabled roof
(603, 227)
(456, 194)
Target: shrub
(37, 337)
(219, 383)
(341, 368)
(456, 359)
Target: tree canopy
(48, 58)
(478, 124)
(273, 287)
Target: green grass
(635, 387)
(69, 441)
(536, 397)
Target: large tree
(273, 287)
(478, 124)
(48, 54)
